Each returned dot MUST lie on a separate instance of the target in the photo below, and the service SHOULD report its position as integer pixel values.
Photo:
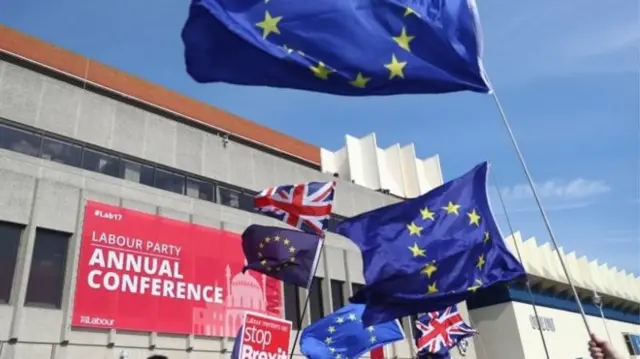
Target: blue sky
(566, 73)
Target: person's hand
(601, 349)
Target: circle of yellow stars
(427, 214)
(277, 239)
(351, 317)
(269, 26)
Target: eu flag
(285, 254)
(354, 48)
(430, 252)
(341, 335)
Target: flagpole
(528, 284)
(316, 263)
(597, 301)
(523, 164)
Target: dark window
(355, 287)
(101, 162)
(9, 243)
(337, 294)
(229, 197)
(61, 152)
(246, 202)
(136, 172)
(169, 181)
(20, 141)
(46, 277)
(291, 304)
(315, 300)
(200, 189)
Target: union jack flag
(440, 331)
(306, 206)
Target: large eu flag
(285, 254)
(430, 252)
(341, 335)
(355, 47)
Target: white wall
(395, 168)
(506, 332)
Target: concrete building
(506, 320)
(73, 130)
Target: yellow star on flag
(451, 208)
(403, 39)
(475, 287)
(429, 269)
(486, 237)
(427, 214)
(286, 242)
(328, 340)
(432, 288)
(416, 250)
(480, 262)
(409, 11)
(276, 239)
(339, 320)
(414, 229)
(332, 329)
(292, 249)
(474, 218)
(267, 240)
(395, 67)
(360, 81)
(269, 25)
(321, 70)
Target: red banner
(143, 272)
(264, 337)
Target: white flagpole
(542, 211)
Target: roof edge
(74, 65)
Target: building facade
(506, 320)
(73, 130)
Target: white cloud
(556, 195)
(574, 190)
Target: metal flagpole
(542, 211)
(528, 284)
(597, 301)
(316, 263)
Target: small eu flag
(353, 48)
(235, 354)
(341, 335)
(430, 252)
(285, 254)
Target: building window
(337, 294)
(61, 152)
(20, 141)
(355, 287)
(9, 242)
(633, 343)
(169, 181)
(291, 304)
(100, 162)
(136, 172)
(229, 197)
(200, 189)
(316, 307)
(246, 202)
(47, 273)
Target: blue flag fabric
(354, 48)
(342, 335)
(430, 252)
(286, 254)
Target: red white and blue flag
(306, 206)
(438, 332)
